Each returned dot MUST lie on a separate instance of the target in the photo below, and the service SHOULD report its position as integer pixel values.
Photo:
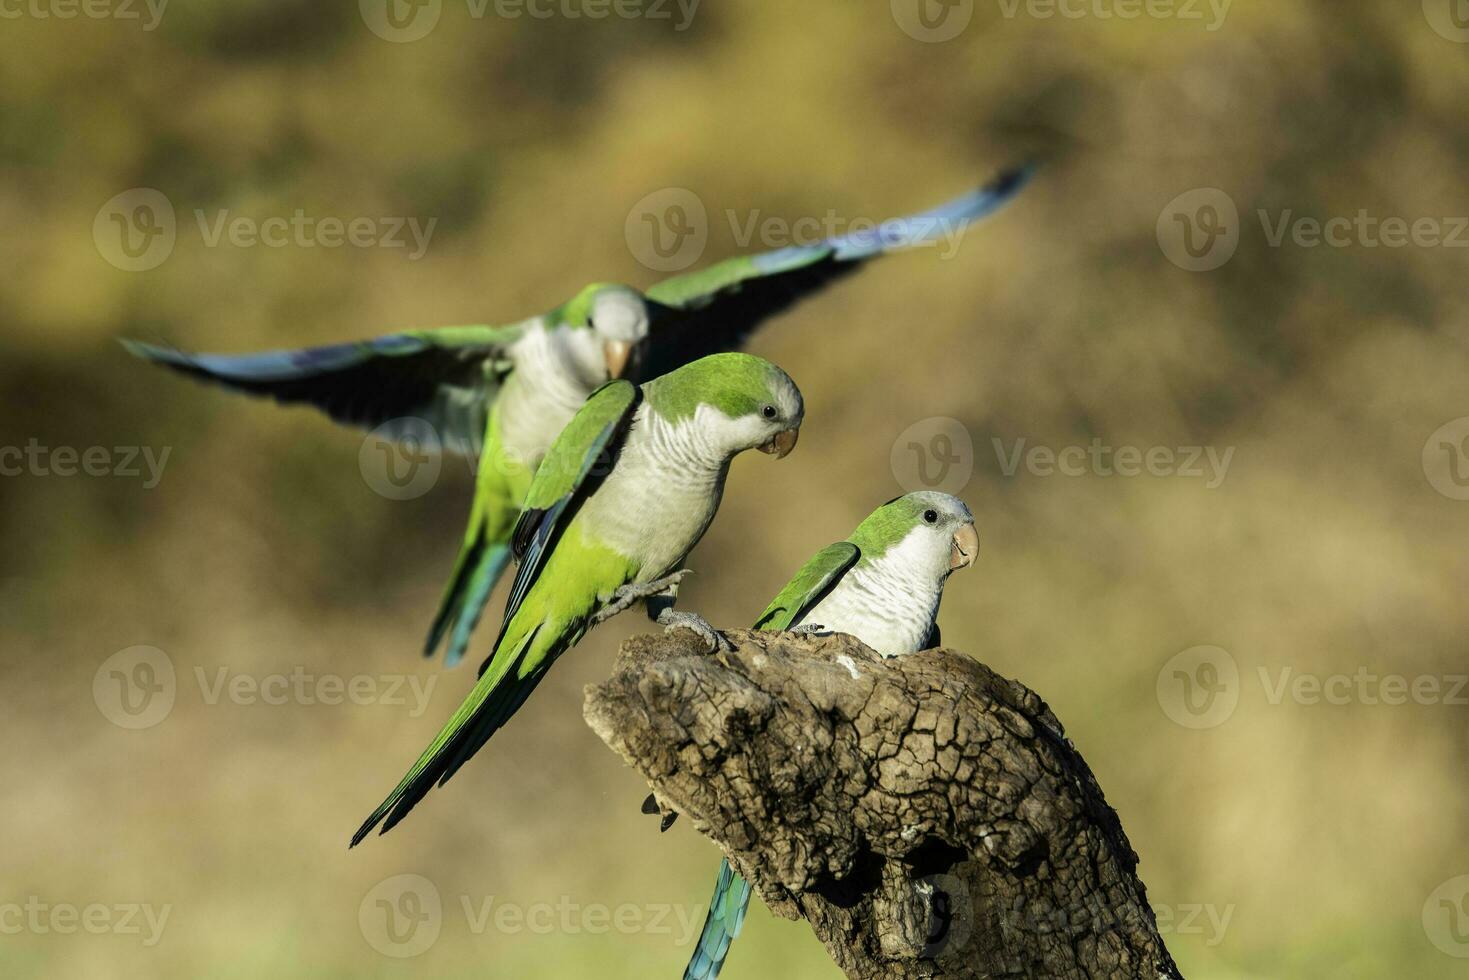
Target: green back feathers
(736, 384)
(812, 582)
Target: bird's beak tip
(781, 445)
(964, 549)
(617, 353)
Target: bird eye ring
(768, 411)
(931, 516)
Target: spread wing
(810, 585)
(446, 376)
(718, 308)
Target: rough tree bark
(928, 817)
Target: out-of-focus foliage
(1320, 830)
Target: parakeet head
(737, 402)
(617, 315)
(933, 530)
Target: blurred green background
(1283, 839)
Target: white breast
(661, 497)
(890, 603)
(555, 370)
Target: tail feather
(722, 925)
(478, 568)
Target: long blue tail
(726, 917)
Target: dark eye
(768, 411)
(930, 517)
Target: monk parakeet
(881, 585)
(624, 494)
(503, 393)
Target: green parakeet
(625, 492)
(503, 393)
(881, 585)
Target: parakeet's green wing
(576, 462)
(716, 309)
(446, 376)
(811, 583)
(569, 473)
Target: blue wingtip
(936, 223)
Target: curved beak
(964, 548)
(617, 352)
(781, 446)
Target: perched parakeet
(503, 393)
(626, 491)
(881, 585)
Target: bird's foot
(631, 594)
(671, 620)
(809, 628)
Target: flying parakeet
(624, 494)
(503, 393)
(881, 585)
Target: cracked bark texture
(928, 817)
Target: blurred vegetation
(1323, 828)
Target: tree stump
(928, 817)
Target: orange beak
(617, 352)
(964, 548)
(781, 446)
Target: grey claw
(672, 620)
(809, 628)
